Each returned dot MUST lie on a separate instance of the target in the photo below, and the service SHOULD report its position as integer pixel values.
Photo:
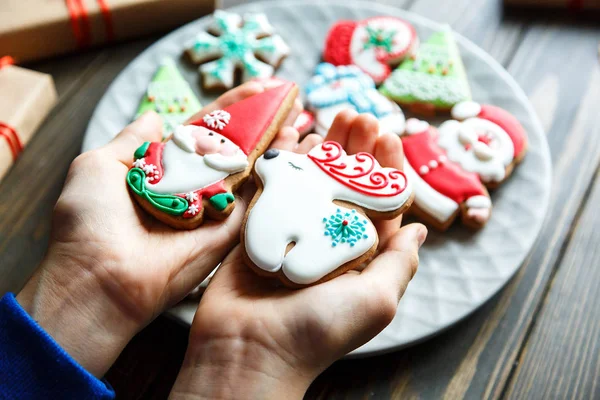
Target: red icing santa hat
(496, 115)
(245, 122)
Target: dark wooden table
(538, 338)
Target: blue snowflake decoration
(345, 227)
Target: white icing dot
(423, 170)
(465, 109)
(433, 164)
(414, 126)
(442, 159)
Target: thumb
(147, 128)
(395, 266)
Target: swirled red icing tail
(360, 172)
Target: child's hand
(110, 267)
(250, 339)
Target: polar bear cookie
(239, 44)
(199, 167)
(310, 218)
(443, 189)
(484, 139)
(373, 44)
(333, 89)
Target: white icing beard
(185, 172)
(292, 207)
(491, 170)
(393, 122)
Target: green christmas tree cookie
(433, 78)
(170, 96)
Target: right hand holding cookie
(251, 340)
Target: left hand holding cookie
(251, 340)
(111, 268)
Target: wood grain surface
(538, 338)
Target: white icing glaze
(465, 109)
(330, 90)
(429, 200)
(501, 147)
(230, 164)
(479, 202)
(414, 126)
(297, 196)
(184, 172)
(183, 137)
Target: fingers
(308, 143)
(389, 152)
(286, 139)
(206, 246)
(146, 128)
(228, 98)
(363, 134)
(391, 271)
(340, 128)
(294, 112)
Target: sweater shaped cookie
(310, 218)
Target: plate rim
(383, 9)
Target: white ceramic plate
(459, 270)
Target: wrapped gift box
(34, 29)
(26, 98)
(575, 5)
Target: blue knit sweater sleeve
(34, 366)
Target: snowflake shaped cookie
(245, 44)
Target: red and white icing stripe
(440, 186)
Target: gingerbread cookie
(373, 44)
(484, 139)
(334, 89)
(202, 164)
(443, 189)
(247, 45)
(305, 121)
(170, 96)
(432, 79)
(309, 220)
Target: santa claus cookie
(333, 89)
(484, 139)
(202, 164)
(443, 189)
(310, 218)
(374, 44)
(305, 121)
(237, 44)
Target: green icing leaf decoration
(379, 38)
(221, 200)
(167, 203)
(141, 151)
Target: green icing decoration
(435, 75)
(141, 151)
(170, 204)
(379, 38)
(221, 200)
(170, 96)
